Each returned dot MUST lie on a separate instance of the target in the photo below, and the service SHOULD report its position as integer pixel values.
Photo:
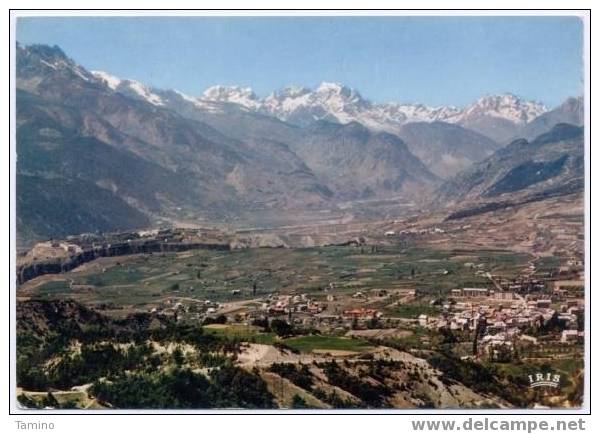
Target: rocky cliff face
(28, 271)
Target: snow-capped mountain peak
(328, 88)
(506, 106)
(243, 96)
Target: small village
(528, 313)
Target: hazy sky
(433, 60)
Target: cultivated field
(141, 282)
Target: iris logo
(541, 379)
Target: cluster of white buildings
(465, 316)
(500, 325)
(434, 230)
(196, 309)
(286, 304)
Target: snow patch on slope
(144, 92)
(111, 81)
(129, 87)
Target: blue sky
(432, 60)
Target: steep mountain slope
(359, 163)
(446, 149)
(550, 165)
(85, 131)
(131, 88)
(569, 112)
(57, 207)
(232, 119)
(51, 143)
(70, 182)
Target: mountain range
(498, 116)
(448, 139)
(98, 153)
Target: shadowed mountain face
(75, 130)
(361, 163)
(551, 164)
(446, 149)
(570, 112)
(154, 157)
